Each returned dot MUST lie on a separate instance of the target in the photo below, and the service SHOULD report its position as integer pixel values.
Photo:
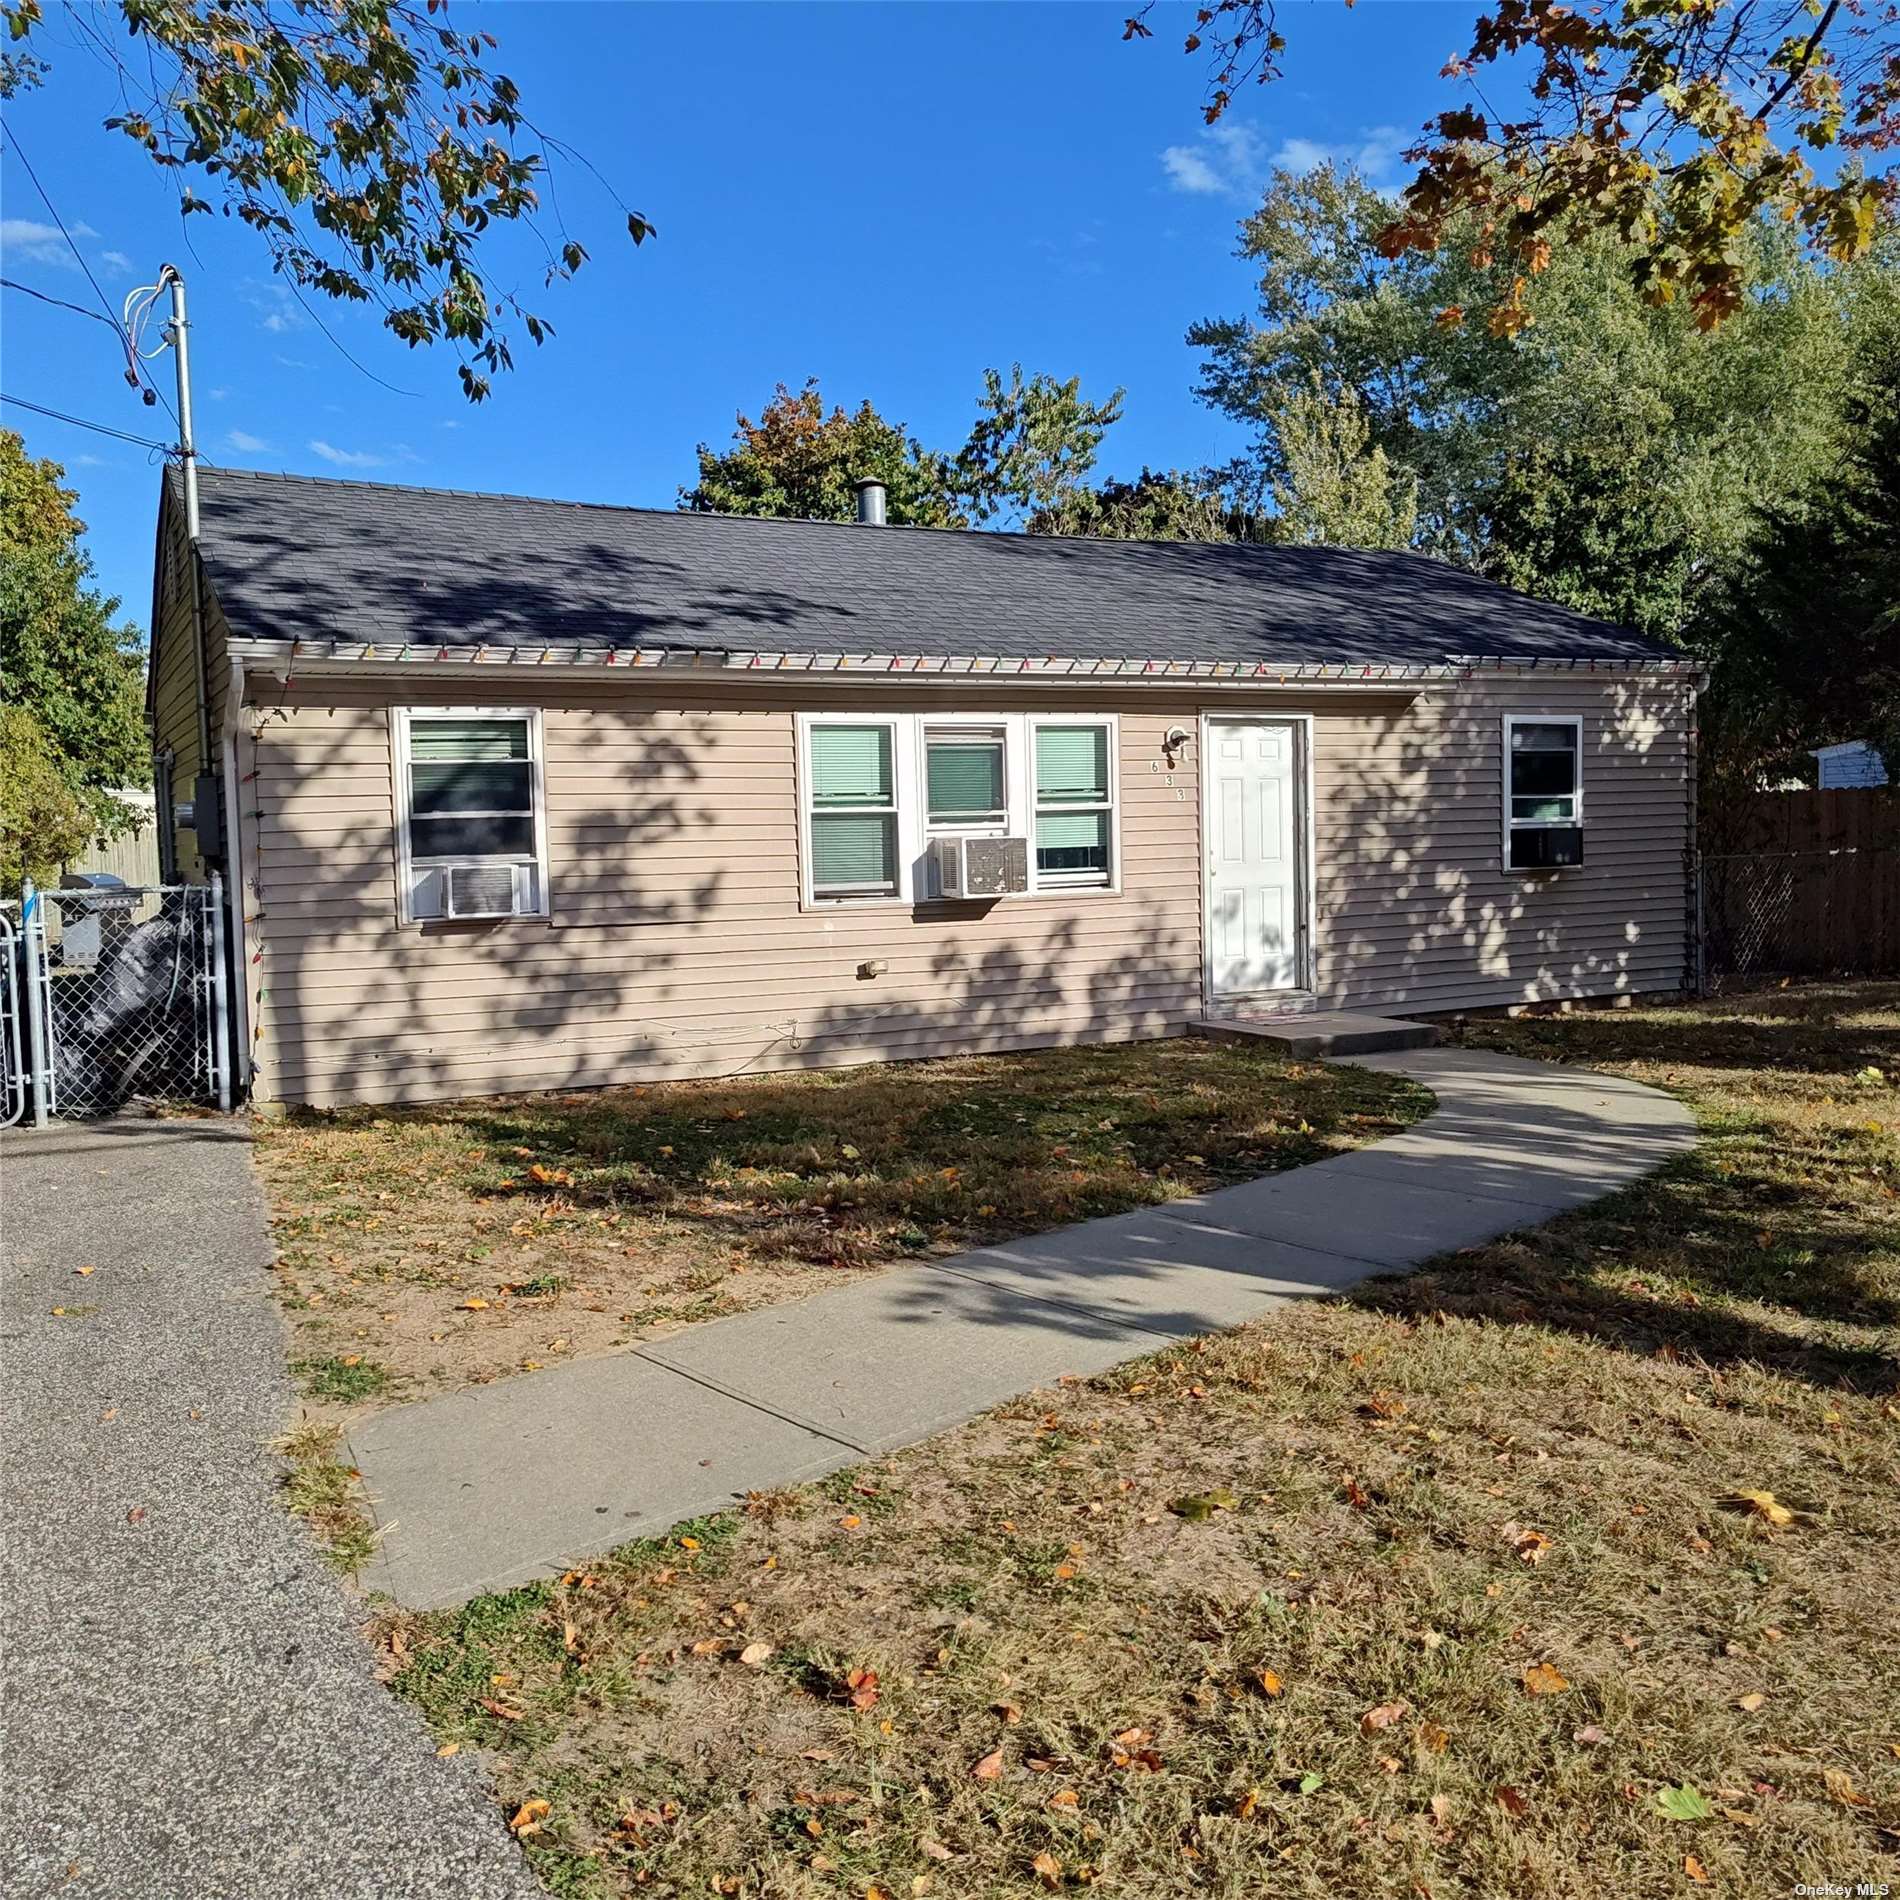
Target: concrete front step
(1336, 1032)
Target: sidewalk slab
(520, 1478)
(890, 1360)
(490, 1487)
(1169, 1270)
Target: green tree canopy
(1175, 505)
(1610, 453)
(1803, 632)
(1033, 442)
(73, 674)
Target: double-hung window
(1543, 791)
(851, 769)
(881, 793)
(1075, 805)
(473, 832)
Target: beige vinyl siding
(174, 696)
(677, 945)
(1414, 906)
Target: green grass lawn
(1564, 1567)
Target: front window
(966, 779)
(1074, 805)
(853, 814)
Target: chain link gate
(109, 996)
(1798, 913)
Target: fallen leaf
(1311, 1782)
(1381, 1718)
(689, 1543)
(447, 1749)
(1695, 1869)
(1202, 1505)
(935, 1850)
(474, 1304)
(754, 1655)
(850, 1521)
(1545, 1679)
(500, 1709)
(1270, 1684)
(82, 1272)
(1589, 1736)
(1751, 1702)
(1684, 1804)
(136, 1515)
(1008, 1711)
(1762, 1504)
(1533, 1547)
(1511, 1801)
(529, 1816)
(1441, 1808)
(1247, 1803)
(861, 1687)
(1065, 1798)
(1048, 1869)
(1840, 1787)
(990, 1767)
(1432, 1738)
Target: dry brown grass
(1376, 1477)
(425, 1248)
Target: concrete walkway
(187, 1711)
(505, 1482)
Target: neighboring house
(1848, 767)
(534, 795)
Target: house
(523, 794)
(1848, 767)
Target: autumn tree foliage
(1033, 442)
(1668, 126)
(372, 147)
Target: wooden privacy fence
(1802, 883)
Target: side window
(1543, 792)
(470, 785)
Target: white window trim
(401, 718)
(1510, 824)
(1058, 881)
(910, 785)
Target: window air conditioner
(980, 867)
(482, 890)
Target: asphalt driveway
(187, 1711)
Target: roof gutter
(282, 657)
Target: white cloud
(347, 458)
(245, 443)
(1233, 161)
(277, 310)
(116, 261)
(34, 243)
(218, 394)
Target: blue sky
(890, 197)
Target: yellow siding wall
(677, 946)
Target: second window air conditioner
(980, 867)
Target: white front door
(1253, 844)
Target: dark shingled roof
(293, 557)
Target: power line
(118, 328)
(80, 422)
(78, 309)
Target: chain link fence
(1799, 913)
(109, 997)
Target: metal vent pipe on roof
(870, 501)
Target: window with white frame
(851, 773)
(1075, 805)
(1543, 791)
(880, 792)
(473, 840)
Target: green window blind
(850, 765)
(965, 779)
(1071, 765)
(1072, 844)
(853, 850)
(468, 739)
